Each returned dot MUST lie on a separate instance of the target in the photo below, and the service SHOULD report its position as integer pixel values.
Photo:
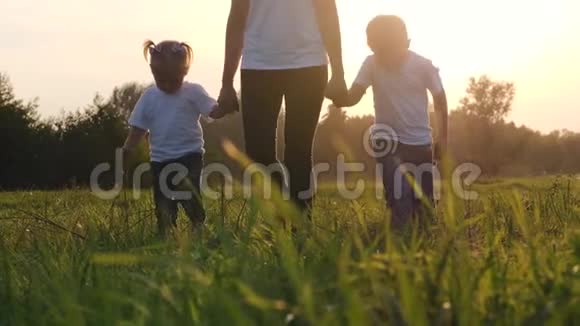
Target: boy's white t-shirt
(282, 34)
(401, 99)
(173, 120)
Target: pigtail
(172, 53)
(189, 53)
(148, 47)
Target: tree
(125, 97)
(63, 151)
(488, 99)
(17, 123)
(89, 138)
(330, 140)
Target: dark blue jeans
(403, 170)
(178, 182)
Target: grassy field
(512, 257)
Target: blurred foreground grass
(511, 257)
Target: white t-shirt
(173, 120)
(282, 34)
(401, 99)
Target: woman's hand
(336, 90)
(228, 101)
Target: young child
(170, 112)
(400, 80)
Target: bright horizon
(64, 52)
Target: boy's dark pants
(262, 94)
(171, 187)
(402, 199)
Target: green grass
(512, 257)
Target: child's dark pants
(178, 181)
(402, 198)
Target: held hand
(227, 101)
(340, 104)
(336, 90)
(218, 113)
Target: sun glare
(504, 39)
(474, 36)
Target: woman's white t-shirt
(282, 34)
(173, 120)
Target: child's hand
(340, 103)
(126, 156)
(351, 98)
(218, 113)
(439, 152)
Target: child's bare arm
(355, 94)
(134, 138)
(441, 112)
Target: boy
(400, 79)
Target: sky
(63, 52)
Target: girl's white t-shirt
(173, 120)
(282, 34)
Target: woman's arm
(329, 25)
(234, 39)
(234, 45)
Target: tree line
(62, 151)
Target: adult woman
(284, 46)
